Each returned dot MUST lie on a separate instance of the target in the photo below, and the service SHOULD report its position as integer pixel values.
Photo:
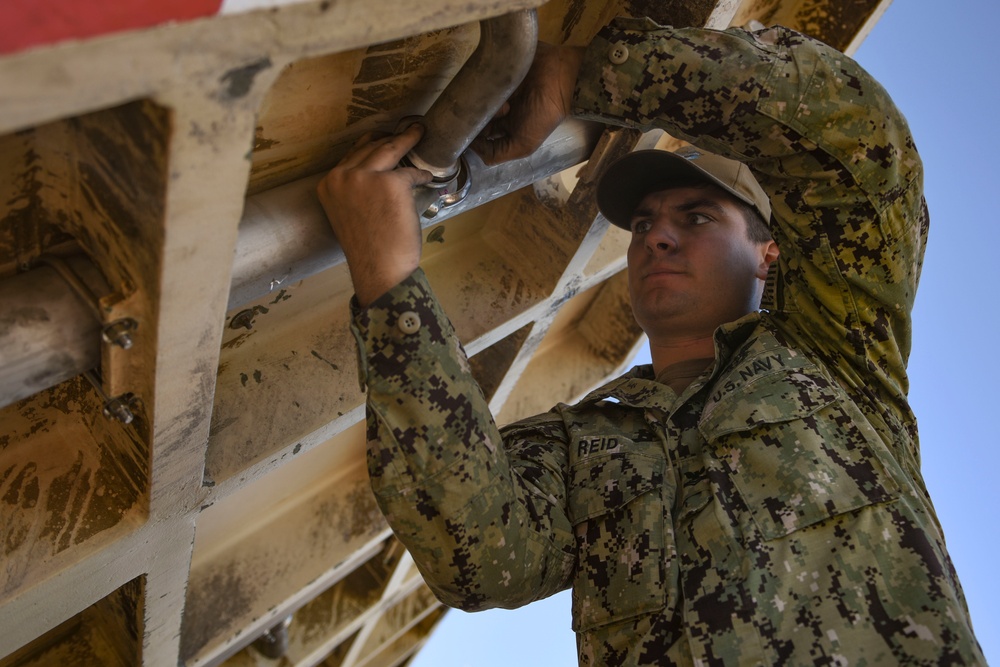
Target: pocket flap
(772, 398)
(607, 483)
(798, 451)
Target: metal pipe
(487, 79)
(48, 333)
(284, 235)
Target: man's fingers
(501, 149)
(405, 122)
(366, 144)
(387, 155)
(415, 176)
(365, 138)
(381, 153)
(487, 148)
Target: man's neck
(669, 352)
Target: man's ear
(768, 253)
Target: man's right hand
(539, 104)
(371, 208)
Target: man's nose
(662, 237)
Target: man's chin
(662, 314)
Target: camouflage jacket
(773, 513)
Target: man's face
(691, 266)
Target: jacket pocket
(797, 450)
(617, 510)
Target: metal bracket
(117, 332)
(446, 191)
(114, 332)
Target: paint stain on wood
(216, 600)
(676, 13)
(324, 360)
(260, 142)
(67, 475)
(106, 633)
(237, 82)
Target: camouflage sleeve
(827, 145)
(485, 522)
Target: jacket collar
(638, 387)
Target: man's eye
(640, 226)
(699, 219)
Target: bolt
(242, 319)
(274, 642)
(119, 333)
(119, 408)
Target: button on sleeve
(409, 322)
(618, 54)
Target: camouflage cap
(635, 175)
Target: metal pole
(48, 334)
(284, 235)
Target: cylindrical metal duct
(48, 334)
(487, 79)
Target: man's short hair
(757, 229)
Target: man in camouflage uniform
(753, 497)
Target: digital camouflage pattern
(772, 513)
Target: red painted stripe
(27, 23)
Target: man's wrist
(369, 287)
(571, 61)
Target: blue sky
(938, 61)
